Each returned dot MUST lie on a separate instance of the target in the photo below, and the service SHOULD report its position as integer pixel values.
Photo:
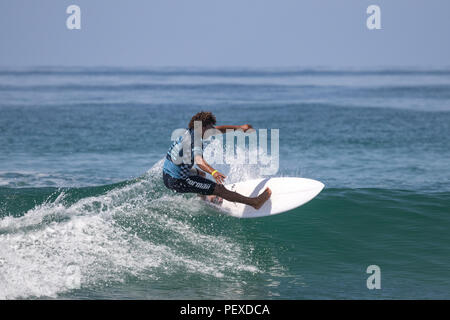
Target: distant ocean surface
(84, 213)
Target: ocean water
(84, 213)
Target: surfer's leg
(232, 196)
(211, 198)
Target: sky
(225, 33)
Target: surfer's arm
(203, 165)
(224, 129)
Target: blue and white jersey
(180, 157)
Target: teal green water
(84, 213)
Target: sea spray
(138, 230)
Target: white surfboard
(287, 194)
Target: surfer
(180, 176)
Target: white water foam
(235, 171)
(98, 241)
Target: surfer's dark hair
(207, 118)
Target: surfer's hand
(219, 177)
(246, 127)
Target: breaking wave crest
(89, 237)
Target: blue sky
(225, 33)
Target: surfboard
(287, 193)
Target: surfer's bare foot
(215, 199)
(262, 198)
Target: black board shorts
(191, 184)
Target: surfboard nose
(321, 185)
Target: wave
(433, 90)
(155, 86)
(55, 241)
(214, 72)
(105, 235)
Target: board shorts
(191, 184)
